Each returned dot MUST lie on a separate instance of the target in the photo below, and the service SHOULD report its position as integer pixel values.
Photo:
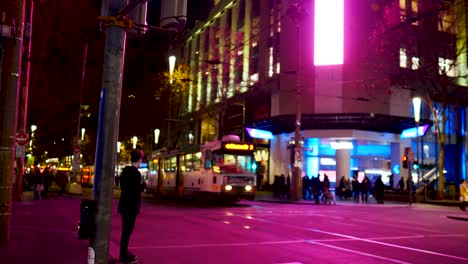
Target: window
(207, 41)
(414, 63)
(233, 163)
(208, 159)
(447, 66)
(403, 58)
(253, 59)
(414, 11)
(270, 62)
(182, 163)
(403, 13)
(255, 9)
(447, 20)
(229, 18)
(197, 161)
(241, 17)
(173, 164)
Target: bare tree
(423, 35)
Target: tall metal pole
(23, 108)
(12, 44)
(114, 53)
(296, 192)
(76, 156)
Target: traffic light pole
(410, 182)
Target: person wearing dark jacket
(131, 186)
(379, 190)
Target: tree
(423, 34)
(174, 89)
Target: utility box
(87, 224)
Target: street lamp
(118, 146)
(172, 61)
(417, 119)
(33, 128)
(134, 140)
(156, 135)
(82, 133)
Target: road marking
(290, 263)
(221, 245)
(364, 240)
(396, 225)
(357, 252)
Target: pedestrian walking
(365, 188)
(61, 179)
(401, 184)
(463, 195)
(37, 183)
(379, 190)
(132, 186)
(46, 179)
(356, 188)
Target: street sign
(20, 151)
(22, 138)
(76, 149)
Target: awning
(359, 121)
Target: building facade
(254, 62)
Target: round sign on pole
(76, 149)
(22, 138)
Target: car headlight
(228, 187)
(248, 188)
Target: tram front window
(234, 163)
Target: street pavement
(249, 232)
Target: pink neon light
(328, 32)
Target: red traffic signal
(404, 160)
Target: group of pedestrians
(281, 185)
(360, 191)
(316, 189)
(42, 180)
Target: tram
(221, 169)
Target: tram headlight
(248, 188)
(228, 187)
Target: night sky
(60, 31)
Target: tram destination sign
(238, 146)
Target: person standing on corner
(463, 195)
(132, 186)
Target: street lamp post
(297, 166)
(417, 119)
(172, 61)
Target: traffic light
(404, 160)
(415, 165)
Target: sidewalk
(268, 197)
(45, 232)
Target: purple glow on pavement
(328, 32)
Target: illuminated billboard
(328, 32)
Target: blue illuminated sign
(396, 169)
(258, 133)
(414, 132)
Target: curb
(458, 218)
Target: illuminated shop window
(403, 58)
(447, 66)
(414, 63)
